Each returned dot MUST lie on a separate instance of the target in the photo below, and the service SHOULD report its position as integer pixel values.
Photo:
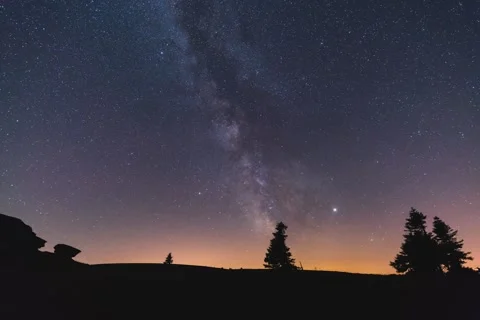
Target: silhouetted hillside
(138, 291)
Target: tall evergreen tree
(418, 250)
(449, 249)
(278, 256)
(169, 259)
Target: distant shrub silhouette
(449, 248)
(429, 252)
(168, 259)
(278, 256)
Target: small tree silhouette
(169, 259)
(418, 250)
(449, 248)
(278, 256)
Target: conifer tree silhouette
(278, 256)
(169, 259)
(449, 249)
(418, 250)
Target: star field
(134, 129)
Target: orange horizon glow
(322, 255)
(209, 260)
(344, 248)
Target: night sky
(130, 129)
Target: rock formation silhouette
(65, 251)
(20, 248)
(19, 245)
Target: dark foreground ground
(143, 291)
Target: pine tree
(449, 249)
(418, 250)
(169, 259)
(278, 256)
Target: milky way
(225, 69)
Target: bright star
(335, 209)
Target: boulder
(65, 251)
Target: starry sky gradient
(130, 129)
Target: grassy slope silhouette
(146, 291)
